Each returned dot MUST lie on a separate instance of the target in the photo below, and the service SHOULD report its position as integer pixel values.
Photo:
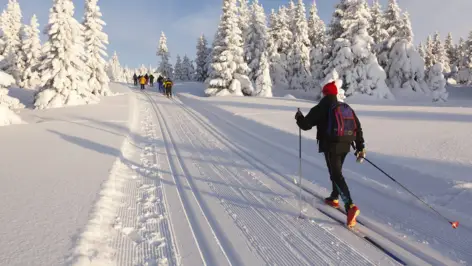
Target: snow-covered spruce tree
(13, 62)
(263, 82)
(187, 69)
(244, 15)
(316, 28)
(128, 76)
(114, 69)
(291, 11)
(31, 46)
(317, 36)
(440, 54)
(299, 55)
(95, 46)
(405, 65)
(229, 71)
(165, 68)
(279, 41)
(256, 51)
(62, 67)
(352, 55)
(256, 39)
(422, 50)
(437, 83)
(428, 55)
(376, 28)
(450, 50)
(394, 26)
(201, 60)
(178, 75)
(461, 51)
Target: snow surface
(139, 179)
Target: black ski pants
(142, 87)
(335, 166)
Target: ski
(356, 231)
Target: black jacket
(318, 116)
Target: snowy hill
(139, 179)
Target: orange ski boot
(352, 214)
(332, 202)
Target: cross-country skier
(147, 78)
(335, 148)
(135, 79)
(142, 81)
(160, 81)
(168, 87)
(151, 80)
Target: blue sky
(134, 26)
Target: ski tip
(455, 224)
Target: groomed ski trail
(363, 185)
(264, 217)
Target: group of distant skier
(164, 84)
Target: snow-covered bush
(62, 67)
(406, 68)
(437, 83)
(7, 116)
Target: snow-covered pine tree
(263, 82)
(461, 53)
(451, 50)
(187, 69)
(256, 39)
(201, 60)
(299, 55)
(229, 71)
(164, 67)
(128, 76)
(178, 74)
(316, 28)
(352, 54)
(114, 69)
(317, 36)
(393, 24)
(440, 54)
(13, 62)
(31, 46)
(291, 11)
(256, 51)
(376, 25)
(278, 45)
(422, 50)
(437, 83)
(142, 70)
(62, 67)
(95, 49)
(244, 15)
(428, 55)
(405, 31)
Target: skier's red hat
(330, 89)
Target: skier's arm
(311, 119)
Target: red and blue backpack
(342, 126)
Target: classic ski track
(263, 233)
(135, 204)
(289, 260)
(417, 226)
(262, 165)
(301, 241)
(165, 127)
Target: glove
(298, 115)
(360, 154)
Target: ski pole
(454, 224)
(300, 168)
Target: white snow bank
(289, 96)
(8, 117)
